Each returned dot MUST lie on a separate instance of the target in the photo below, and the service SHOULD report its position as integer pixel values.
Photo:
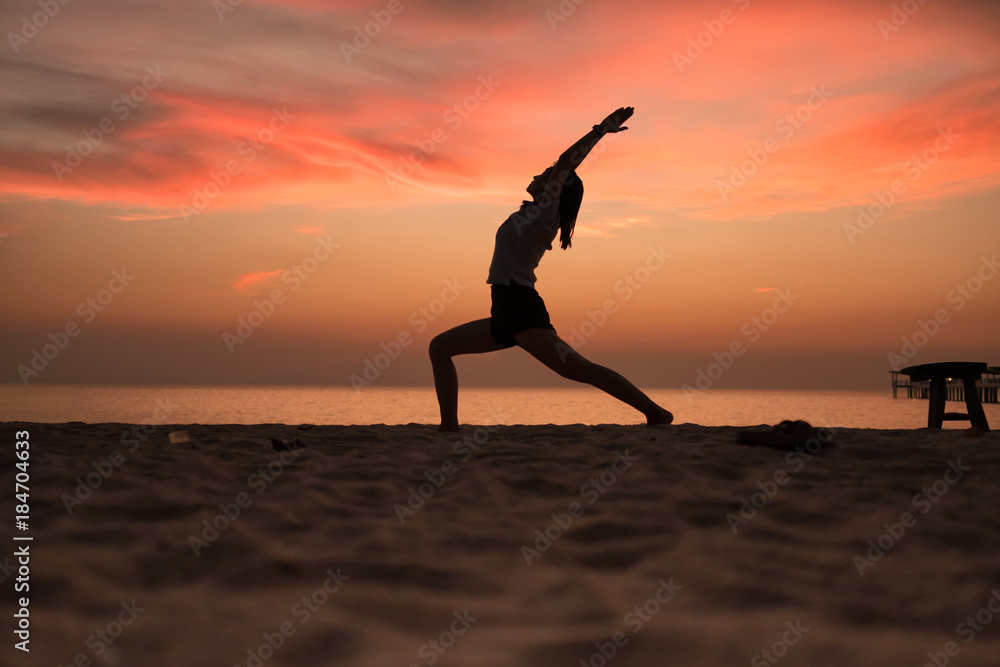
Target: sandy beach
(533, 546)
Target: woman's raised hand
(613, 123)
(573, 156)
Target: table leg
(975, 406)
(939, 392)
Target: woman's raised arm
(573, 156)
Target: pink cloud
(358, 126)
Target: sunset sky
(813, 184)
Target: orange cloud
(313, 230)
(254, 277)
(606, 228)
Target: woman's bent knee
(438, 348)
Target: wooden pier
(988, 386)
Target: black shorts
(516, 308)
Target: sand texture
(504, 546)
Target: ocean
(184, 404)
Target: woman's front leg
(469, 338)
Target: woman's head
(571, 194)
(537, 186)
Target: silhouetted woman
(518, 315)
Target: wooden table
(938, 374)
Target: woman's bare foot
(448, 428)
(659, 418)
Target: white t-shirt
(520, 243)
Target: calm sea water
(391, 405)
